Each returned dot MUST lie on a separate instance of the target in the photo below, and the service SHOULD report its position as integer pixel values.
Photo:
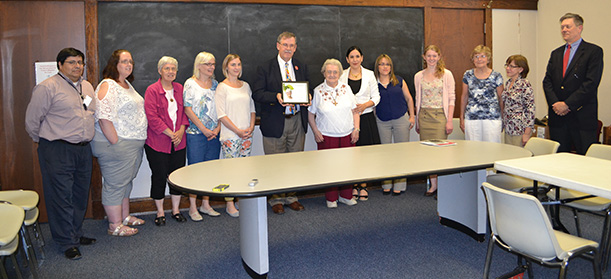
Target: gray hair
(332, 61)
(576, 18)
(166, 60)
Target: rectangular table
(577, 172)
(461, 168)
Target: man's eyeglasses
(73, 62)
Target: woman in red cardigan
(165, 146)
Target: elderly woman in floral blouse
(519, 101)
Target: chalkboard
(181, 30)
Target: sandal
(179, 218)
(363, 197)
(135, 221)
(160, 221)
(122, 230)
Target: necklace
(356, 75)
(332, 94)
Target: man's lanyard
(80, 92)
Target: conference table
(461, 169)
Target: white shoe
(331, 204)
(195, 217)
(347, 201)
(235, 214)
(210, 212)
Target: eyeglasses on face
(74, 62)
(511, 66)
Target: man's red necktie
(565, 61)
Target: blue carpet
(385, 237)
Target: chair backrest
(11, 219)
(457, 133)
(521, 223)
(539, 146)
(600, 151)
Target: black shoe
(396, 194)
(73, 253)
(160, 221)
(86, 240)
(179, 218)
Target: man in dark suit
(283, 126)
(571, 84)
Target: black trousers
(66, 178)
(569, 136)
(162, 164)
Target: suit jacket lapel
(578, 54)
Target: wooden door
(456, 32)
(31, 31)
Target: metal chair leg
(576, 218)
(489, 257)
(30, 254)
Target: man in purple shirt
(60, 117)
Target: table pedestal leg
(253, 236)
(461, 203)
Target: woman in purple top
(165, 148)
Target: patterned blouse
(432, 94)
(519, 110)
(483, 102)
(124, 108)
(202, 103)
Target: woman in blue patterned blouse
(481, 105)
(519, 101)
(202, 135)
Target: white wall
(596, 30)
(515, 32)
(535, 34)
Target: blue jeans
(200, 149)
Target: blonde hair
(230, 57)
(482, 49)
(441, 66)
(393, 78)
(201, 58)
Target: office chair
(11, 220)
(28, 201)
(590, 204)
(537, 146)
(520, 225)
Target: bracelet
(357, 129)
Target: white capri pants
(483, 130)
